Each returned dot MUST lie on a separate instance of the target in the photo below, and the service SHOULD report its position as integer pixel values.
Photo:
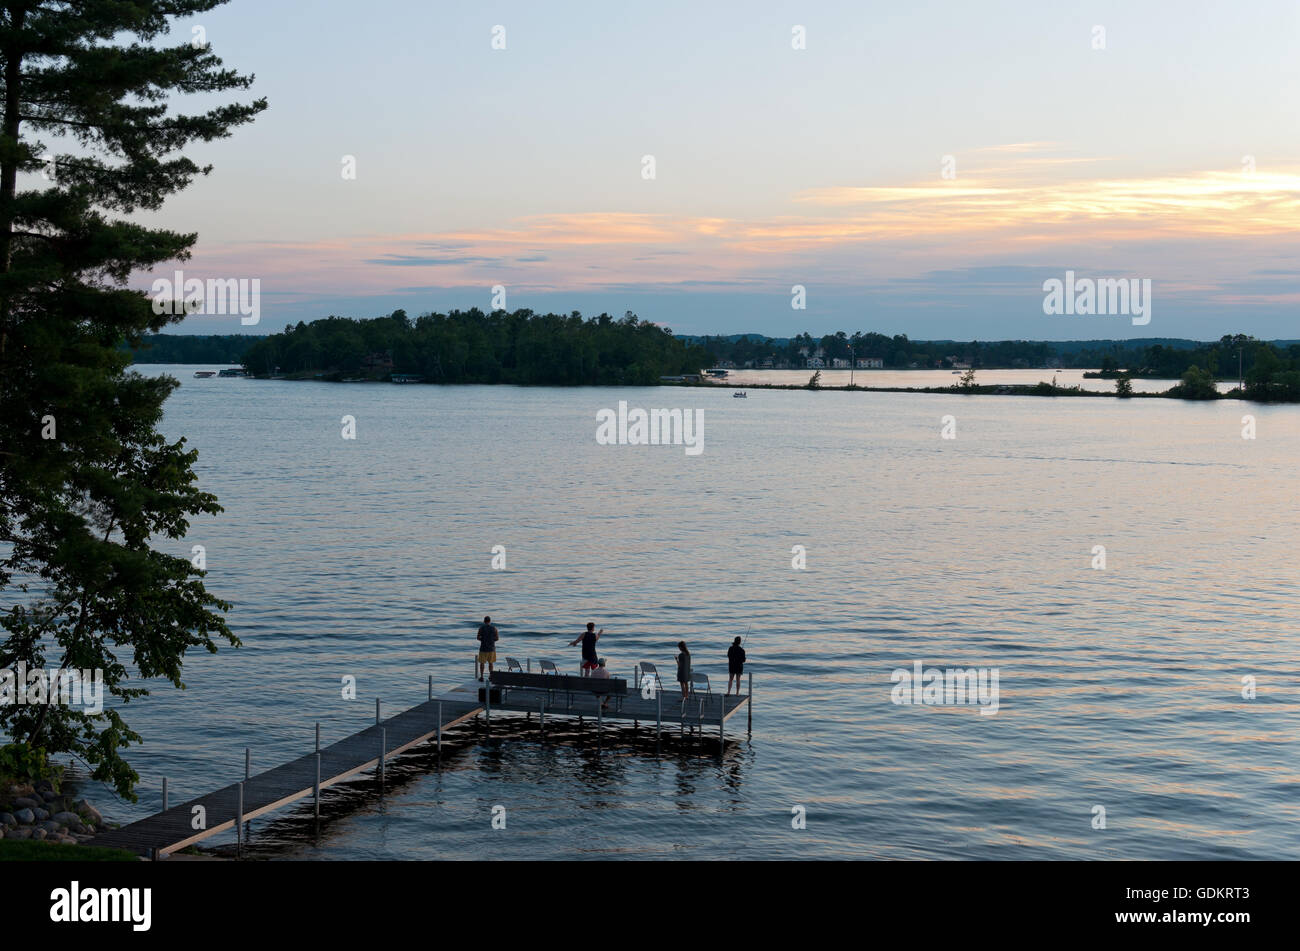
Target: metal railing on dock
(234, 806)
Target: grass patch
(25, 850)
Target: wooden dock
(372, 748)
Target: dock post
(239, 825)
(541, 714)
(529, 662)
(248, 764)
(749, 705)
(164, 794)
(722, 716)
(383, 751)
(659, 713)
(316, 790)
(376, 711)
(431, 686)
(318, 736)
(487, 702)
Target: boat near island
(204, 374)
(740, 395)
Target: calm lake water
(1120, 688)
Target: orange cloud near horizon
(994, 213)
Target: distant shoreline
(1042, 388)
(989, 389)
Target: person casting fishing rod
(735, 665)
(590, 661)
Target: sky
(918, 168)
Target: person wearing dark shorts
(735, 665)
(684, 669)
(487, 646)
(589, 638)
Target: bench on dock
(560, 683)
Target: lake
(1120, 687)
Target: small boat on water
(740, 395)
(204, 374)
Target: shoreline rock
(41, 812)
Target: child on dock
(600, 673)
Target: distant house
(765, 363)
(840, 363)
(871, 363)
(379, 360)
(814, 363)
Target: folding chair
(548, 667)
(649, 670)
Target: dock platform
(232, 806)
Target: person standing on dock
(487, 645)
(735, 665)
(589, 638)
(684, 669)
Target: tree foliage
(476, 347)
(192, 348)
(86, 480)
(1196, 384)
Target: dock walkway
(174, 828)
(231, 806)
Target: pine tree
(86, 480)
